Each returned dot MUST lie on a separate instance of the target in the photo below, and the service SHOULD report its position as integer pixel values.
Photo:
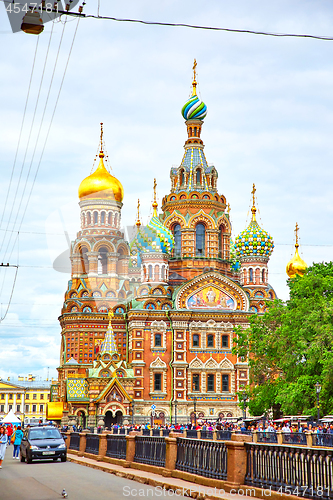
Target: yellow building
(27, 397)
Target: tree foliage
(291, 347)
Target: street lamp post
(244, 398)
(175, 403)
(195, 410)
(132, 409)
(318, 389)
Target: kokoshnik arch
(152, 321)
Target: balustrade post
(279, 438)
(170, 454)
(215, 435)
(237, 459)
(102, 445)
(83, 443)
(198, 434)
(130, 448)
(308, 439)
(255, 436)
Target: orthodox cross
(296, 233)
(101, 136)
(253, 192)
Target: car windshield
(44, 434)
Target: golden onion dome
(101, 184)
(296, 265)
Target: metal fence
(116, 446)
(223, 435)
(74, 442)
(294, 438)
(191, 433)
(92, 443)
(150, 450)
(305, 472)
(267, 437)
(206, 434)
(146, 432)
(322, 439)
(205, 458)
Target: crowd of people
(10, 434)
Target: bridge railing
(290, 470)
(267, 437)
(204, 458)
(92, 444)
(150, 450)
(116, 446)
(322, 440)
(74, 441)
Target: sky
(269, 122)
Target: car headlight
(62, 445)
(33, 447)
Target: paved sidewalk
(180, 487)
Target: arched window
(95, 217)
(109, 218)
(103, 218)
(182, 177)
(221, 243)
(178, 240)
(251, 275)
(84, 260)
(150, 272)
(102, 263)
(115, 223)
(263, 275)
(88, 218)
(195, 131)
(163, 273)
(200, 232)
(198, 177)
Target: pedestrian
(9, 433)
(17, 442)
(3, 444)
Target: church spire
(109, 344)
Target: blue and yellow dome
(194, 108)
(155, 237)
(254, 241)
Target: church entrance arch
(82, 419)
(111, 419)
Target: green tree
(291, 347)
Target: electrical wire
(11, 296)
(20, 134)
(27, 147)
(49, 128)
(200, 27)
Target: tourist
(9, 433)
(17, 442)
(3, 443)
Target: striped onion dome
(194, 109)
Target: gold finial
(296, 265)
(296, 233)
(253, 209)
(194, 83)
(138, 222)
(110, 315)
(155, 204)
(101, 154)
(228, 208)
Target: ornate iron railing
(116, 446)
(223, 435)
(205, 458)
(191, 433)
(304, 472)
(146, 432)
(150, 450)
(294, 438)
(267, 437)
(206, 434)
(166, 432)
(156, 432)
(74, 442)
(322, 439)
(92, 443)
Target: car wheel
(63, 459)
(22, 458)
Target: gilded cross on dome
(296, 234)
(194, 83)
(253, 209)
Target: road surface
(45, 481)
